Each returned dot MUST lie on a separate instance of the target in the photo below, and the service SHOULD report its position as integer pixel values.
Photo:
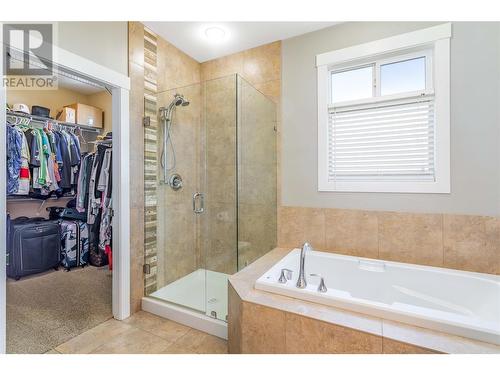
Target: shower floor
(201, 290)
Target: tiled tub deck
(261, 322)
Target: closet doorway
(45, 307)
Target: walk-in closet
(59, 213)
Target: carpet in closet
(46, 310)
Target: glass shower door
(180, 270)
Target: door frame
(119, 86)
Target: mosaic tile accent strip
(150, 160)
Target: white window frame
(434, 42)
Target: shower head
(166, 115)
(179, 100)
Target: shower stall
(210, 190)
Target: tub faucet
(301, 282)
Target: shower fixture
(166, 115)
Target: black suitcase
(37, 110)
(56, 213)
(34, 245)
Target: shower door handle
(198, 209)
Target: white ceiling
(190, 36)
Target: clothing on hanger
(47, 160)
(41, 160)
(14, 159)
(94, 195)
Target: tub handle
(371, 266)
(321, 287)
(286, 274)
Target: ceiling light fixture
(215, 34)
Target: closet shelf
(45, 119)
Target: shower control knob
(175, 181)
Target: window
(403, 76)
(384, 116)
(352, 84)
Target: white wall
(105, 43)
(475, 117)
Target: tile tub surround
(464, 242)
(265, 322)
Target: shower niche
(214, 191)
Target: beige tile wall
(470, 243)
(261, 67)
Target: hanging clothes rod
(44, 120)
(106, 142)
(24, 198)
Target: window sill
(418, 187)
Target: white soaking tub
(456, 302)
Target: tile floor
(142, 333)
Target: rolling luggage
(33, 246)
(74, 244)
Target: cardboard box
(66, 114)
(88, 115)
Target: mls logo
(28, 49)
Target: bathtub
(456, 302)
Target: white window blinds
(384, 141)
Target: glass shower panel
(180, 275)
(257, 170)
(219, 227)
